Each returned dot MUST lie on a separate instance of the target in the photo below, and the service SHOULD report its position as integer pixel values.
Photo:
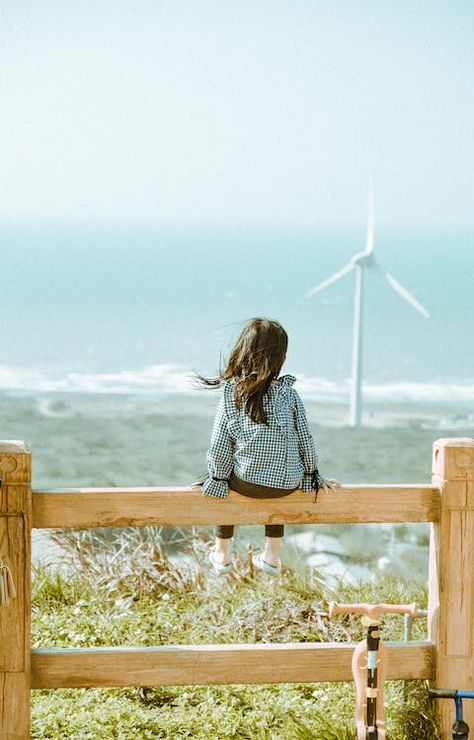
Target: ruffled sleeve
(219, 457)
(312, 479)
(312, 482)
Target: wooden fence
(446, 657)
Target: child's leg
(274, 538)
(224, 534)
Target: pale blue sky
(218, 112)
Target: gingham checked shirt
(280, 454)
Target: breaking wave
(167, 379)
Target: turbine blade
(398, 288)
(333, 279)
(369, 244)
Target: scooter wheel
(460, 730)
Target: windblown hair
(255, 360)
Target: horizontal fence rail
(83, 508)
(217, 664)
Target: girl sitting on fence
(260, 445)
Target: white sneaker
(261, 564)
(220, 568)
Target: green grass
(128, 593)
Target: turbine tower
(360, 263)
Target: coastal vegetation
(126, 590)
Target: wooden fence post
(451, 577)
(15, 617)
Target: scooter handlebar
(450, 694)
(442, 693)
(374, 611)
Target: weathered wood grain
(121, 507)
(451, 582)
(15, 617)
(216, 664)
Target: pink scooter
(370, 656)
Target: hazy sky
(261, 112)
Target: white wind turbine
(361, 262)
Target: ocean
(103, 329)
(131, 311)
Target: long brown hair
(256, 359)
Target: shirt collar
(286, 381)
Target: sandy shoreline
(111, 440)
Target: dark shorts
(254, 490)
